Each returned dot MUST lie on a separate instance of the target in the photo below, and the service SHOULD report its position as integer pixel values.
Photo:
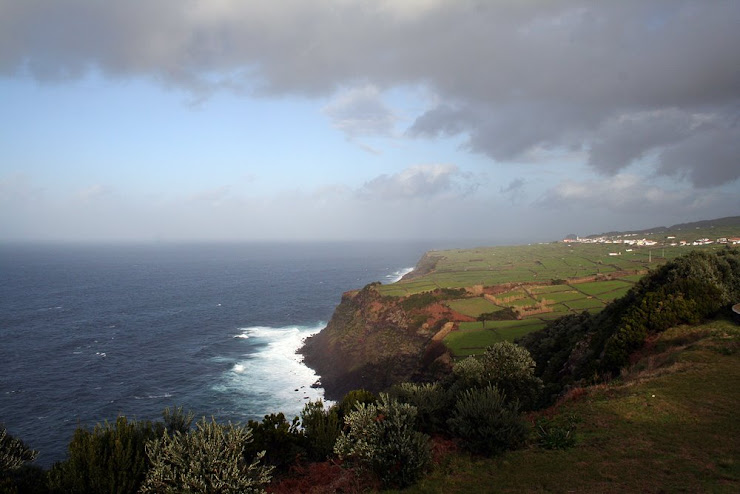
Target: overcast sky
(501, 120)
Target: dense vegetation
(385, 440)
(593, 347)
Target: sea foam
(270, 374)
(397, 275)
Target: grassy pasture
(599, 287)
(585, 304)
(490, 266)
(472, 339)
(562, 296)
(473, 307)
(550, 289)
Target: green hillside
(542, 282)
(668, 425)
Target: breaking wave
(397, 275)
(269, 373)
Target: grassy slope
(668, 425)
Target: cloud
(213, 196)
(708, 158)
(514, 186)
(418, 182)
(361, 112)
(624, 80)
(18, 187)
(630, 194)
(94, 193)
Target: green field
(473, 307)
(586, 277)
(541, 263)
(600, 287)
(472, 338)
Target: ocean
(92, 332)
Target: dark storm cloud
(622, 80)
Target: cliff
(373, 342)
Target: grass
(472, 338)
(599, 287)
(669, 424)
(473, 307)
(535, 263)
(533, 268)
(584, 304)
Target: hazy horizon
(494, 122)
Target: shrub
(557, 433)
(176, 420)
(486, 422)
(382, 437)
(505, 365)
(431, 401)
(209, 459)
(281, 440)
(15, 473)
(321, 428)
(510, 368)
(13, 452)
(351, 399)
(110, 458)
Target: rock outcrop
(372, 342)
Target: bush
(176, 420)
(382, 437)
(209, 459)
(110, 458)
(557, 433)
(431, 401)
(510, 368)
(487, 422)
(351, 399)
(320, 428)
(282, 441)
(13, 452)
(505, 365)
(15, 473)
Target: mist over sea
(91, 332)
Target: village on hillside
(632, 240)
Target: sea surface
(88, 333)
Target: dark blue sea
(91, 332)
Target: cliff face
(371, 342)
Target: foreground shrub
(15, 473)
(557, 433)
(281, 441)
(382, 437)
(110, 458)
(431, 401)
(13, 452)
(487, 422)
(321, 429)
(507, 366)
(351, 399)
(209, 459)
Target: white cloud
(630, 194)
(419, 182)
(361, 112)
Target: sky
(500, 120)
